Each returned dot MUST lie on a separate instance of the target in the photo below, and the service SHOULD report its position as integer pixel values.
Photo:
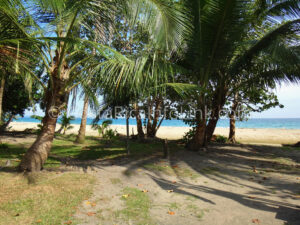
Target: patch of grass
(182, 172)
(191, 198)
(199, 213)
(289, 148)
(209, 170)
(94, 148)
(137, 206)
(173, 206)
(159, 168)
(44, 198)
(282, 160)
(14, 154)
(115, 180)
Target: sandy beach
(244, 135)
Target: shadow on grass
(230, 165)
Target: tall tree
(228, 38)
(64, 20)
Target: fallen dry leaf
(175, 166)
(125, 196)
(171, 213)
(257, 221)
(251, 197)
(174, 182)
(68, 222)
(91, 213)
(39, 221)
(170, 191)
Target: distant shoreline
(261, 123)
(244, 135)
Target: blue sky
(288, 95)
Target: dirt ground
(236, 185)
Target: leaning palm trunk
(56, 98)
(1, 96)
(81, 134)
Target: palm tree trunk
(127, 134)
(212, 124)
(152, 127)
(37, 154)
(199, 139)
(1, 96)
(141, 134)
(81, 134)
(232, 138)
(218, 104)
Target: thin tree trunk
(81, 134)
(149, 122)
(139, 123)
(1, 96)
(152, 127)
(232, 138)
(211, 127)
(127, 134)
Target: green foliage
(39, 126)
(105, 131)
(65, 122)
(188, 136)
(221, 139)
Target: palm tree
(81, 133)
(228, 38)
(65, 20)
(65, 122)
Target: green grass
(182, 172)
(93, 149)
(209, 170)
(199, 213)
(288, 148)
(173, 206)
(44, 198)
(115, 180)
(137, 206)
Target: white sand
(244, 135)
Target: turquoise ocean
(281, 123)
